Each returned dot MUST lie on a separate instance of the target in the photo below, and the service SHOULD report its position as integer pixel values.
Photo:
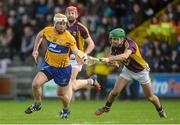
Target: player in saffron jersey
(135, 67)
(57, 63)
(81, 34)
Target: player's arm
(87, 38)
(38, 41)
(79, 55)
(90, 45)
(119, 57)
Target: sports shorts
(142, 77)
(74, 64)
(60, 75)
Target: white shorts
(142, 77)
(74, 64)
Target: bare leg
(119, 85)
(153, 99)
(38, 81)
(80, 83)
(150, 95)
(65, 94)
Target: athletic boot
(162, 113)
(102, 110)
(33, 107)
(65, 113)
(95, 82)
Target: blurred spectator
(5, 40)
(137, 16)
(178, 44)
(174, 61)
(102, 40)
(27, 43)
(100, 16)
(177, 15)
(3, 19)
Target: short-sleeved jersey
(59, 45)
(80, 33)
(135, 62)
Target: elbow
(92, 45)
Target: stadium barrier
(164, 85)
(7, 88)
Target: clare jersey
(80, 32)
(135, 62)
(59, 45)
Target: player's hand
(113, 63)
(105, 60)
(79, 60)
(35, 55)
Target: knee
(35, 84)
(151, 98)
(73, 85)
(60, 95)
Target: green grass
(139, 112)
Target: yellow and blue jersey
(59, 45)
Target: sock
(37, 104)
(108, 104)
(159, 109)
(65, 110)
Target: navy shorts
(61, 75)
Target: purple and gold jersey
(80, 32)
(59, 45)
(135, 62)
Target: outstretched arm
(119, 57)
(37, 43)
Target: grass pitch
(82, 112)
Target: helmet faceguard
(59, 18)
(60, 21)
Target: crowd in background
(20, 20)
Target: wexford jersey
(59, 45)
(135, 62)
(80, 32)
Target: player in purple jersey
(82, 36)
(135, 67)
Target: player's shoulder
(69, 35)
(82, 26)
(48, 28)
(129, 42)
